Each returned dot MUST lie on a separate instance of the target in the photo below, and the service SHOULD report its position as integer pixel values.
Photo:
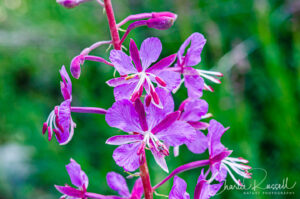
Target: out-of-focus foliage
(256, 44)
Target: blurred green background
(256, 44)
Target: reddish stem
(112, 24)
(144, 173)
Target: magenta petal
(215, 132)
(162, 64)
(177, 134)
(126, 156)
(160, 159)
(204, 190)
(120, 81)
(155, 114)
(70, 191)
(178, 190)
(192, 56)
(124, 139)
(65, 121)
(166, 122)
(194, 110)
(122, 62)
(75, 66)
(171, 78)
(199, 144)
(125, 91)
(122, 115)
(137, 190)
(219, 170)
(78, 177)
(194, 84)
(66, 85)
(139, 107)
(134, 54)
(150, 51)
(117, 183)
(199, 125)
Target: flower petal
(162, 64)
(215, 132)
(171, 78)
(204, 190)
(139, 108)
(194, 110)
(134, 54)
(199, 144)
(66, 84)
(177, 134)
(124, 91)
(178, 190)
(166, 122)
(192, 56)
(122, 115)
(123, 139)
(193, 82)
(137, 190)
(126, 156)
(121, 80)
(122, 62)
(219, 170)
(65, 121)
(153, 113)
(117, 183)
(78, 177)
(70, 191)
(150, 51)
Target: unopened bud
(75, 66)
(160, 23)
(70, 3)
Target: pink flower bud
(160, 23)
(70, 3)
(76, 66)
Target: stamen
(130, 77)
(237, 160)
(207, 115)
(209, 88)
(218, 74)
(45, 126)
(160, 81)
(49, 133)
(154, 96)
(148, 100)
(238, 182)
(211, 78)
(57, 134)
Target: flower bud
(160, 23)
(76, 66)
(70, 3)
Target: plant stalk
(144, 173)
(112, 24)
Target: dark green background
(256, 44)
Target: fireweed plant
(144, 110)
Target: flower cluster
(145, 111)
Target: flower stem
(144, 173)
(182, 168)
(112, 24)
(88, 110)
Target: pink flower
(150, 127)
(134, 78)
(60, 121)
